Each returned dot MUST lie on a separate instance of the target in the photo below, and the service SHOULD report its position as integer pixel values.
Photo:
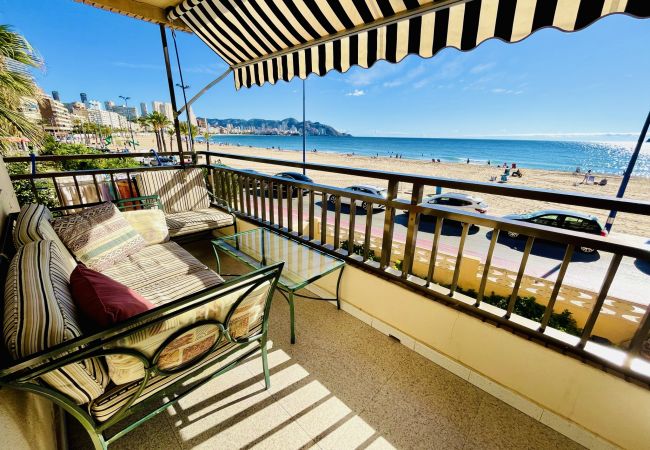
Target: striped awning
(269, 40)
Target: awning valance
(269, 40)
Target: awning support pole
(205, 89)
(628, 171)
(172, 94)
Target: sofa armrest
(219, 202)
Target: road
(586, 271)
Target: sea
(599, 157)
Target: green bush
(358, 250)
(42, 190)
(529, 308)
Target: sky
(589, 85)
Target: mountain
(288, 126)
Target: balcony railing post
(412, 231)
(323, 219)
(263, 191)
(389, 224)
(600, 300)
(486, 266)
(337, 221)
(301, 202)
(459, 259)
(520, 275)
(352, 231)
(434, 250)
(568, 255)
(312, 214)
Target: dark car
(568, 220)
(295, 176)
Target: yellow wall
(603, 404)
(26, 421)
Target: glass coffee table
(302, 264)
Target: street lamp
(187, 113)
(126, 103)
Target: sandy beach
(638, 188)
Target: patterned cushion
(33, 224)
(247, 317)
(39, 313)
(154, 265)
(149, 223)
(98, 236)
(189, 222)
(115, 398)
(179, 190)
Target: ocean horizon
(599, 157)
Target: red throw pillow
(103, 300)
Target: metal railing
(269, 202)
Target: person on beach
(467, 160)
(488, 162)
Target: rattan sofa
(200, 327)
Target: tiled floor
(342, 385)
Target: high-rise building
(83, 97)
(192, 117)
(169, 111)
(130, 112)
(158, 107)
(30, 109)
(56, 118)
(93, 104)
(109, 104)
(143, 109)
(55, 96)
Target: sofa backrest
(179, 190)
(39, 313)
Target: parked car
(295, 176)
(463, 202)
(568, 220)
(364, 189)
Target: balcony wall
(592, 407)
(26, 421)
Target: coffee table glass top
(261, 247)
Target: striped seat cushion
(189, 222)
(179, 190)
(98, 236)
(114, 399)
(33, 224)
(154, 265)
(249, 314)
(39, 313)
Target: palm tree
(185, 133)
(171, 132)
(16, 57)
(206, 136)
(159, 122)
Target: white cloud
(356, 93)
(406, 78)
(480, 68)
(506, 91)
(366, 77)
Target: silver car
(463, 202)
(363, 189)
